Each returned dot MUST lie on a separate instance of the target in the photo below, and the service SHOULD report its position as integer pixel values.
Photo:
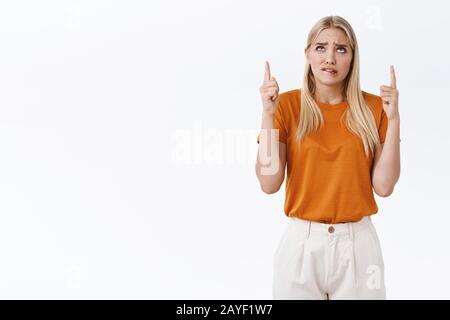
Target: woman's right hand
(269, 92)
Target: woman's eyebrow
(326, 43)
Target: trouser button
(331, 229)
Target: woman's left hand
(389, 95)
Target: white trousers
(328, 261)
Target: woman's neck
(330, 95)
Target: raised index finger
(393, 79)
(267, 72)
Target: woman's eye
(320, 48)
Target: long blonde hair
(359, 118)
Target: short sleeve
(382, 128)
(279, 123)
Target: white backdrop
(128, 140)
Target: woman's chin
(330, 82)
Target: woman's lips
(330, 72)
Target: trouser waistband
(335, 229)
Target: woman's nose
(330, 58)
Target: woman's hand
(269, 92)
(389, 95)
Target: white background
(128, 140)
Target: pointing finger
(267, 72)
(393, 79)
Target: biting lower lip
(330, 72)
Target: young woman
(339, 144)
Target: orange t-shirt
(328, 175)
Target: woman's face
(330, 57)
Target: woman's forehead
(332, 35)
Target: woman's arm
(271, 158)
(386, 169)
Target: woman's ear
(307, 55)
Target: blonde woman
(339, 144)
